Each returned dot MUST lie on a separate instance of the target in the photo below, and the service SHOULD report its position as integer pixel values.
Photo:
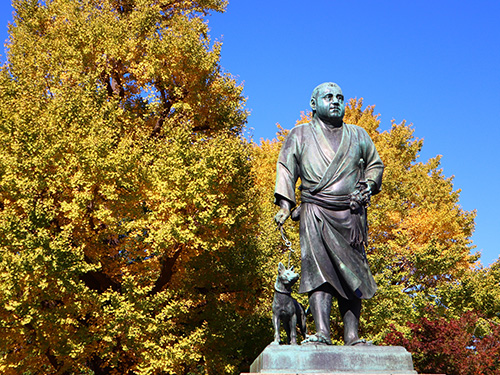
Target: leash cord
(287, 242)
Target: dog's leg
(288, 328)
(292, 334)
(276, 324)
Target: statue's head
(327, 102)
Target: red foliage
(451, 347)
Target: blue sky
(435, 64)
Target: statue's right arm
(284, 212)
(287, 173)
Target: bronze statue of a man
(340, 169)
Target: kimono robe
(326, 220)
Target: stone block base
(329, 360)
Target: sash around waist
(358, 227)
(331, 202)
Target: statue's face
(329, 103)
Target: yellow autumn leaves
(136, 231)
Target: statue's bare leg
(320, 303)
(350, 310)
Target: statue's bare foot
(317, 339)
(360, 342)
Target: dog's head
(287, 276)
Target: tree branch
(98, 280)
(166, 273)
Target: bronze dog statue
(286, 308)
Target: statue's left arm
(374, 166)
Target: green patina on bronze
(314, 359)
(340, 169)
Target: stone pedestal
(322, 359)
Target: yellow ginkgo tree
(127, 219)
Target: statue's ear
(281, 267)
(291, 268)
(313, 104)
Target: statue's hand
(284, 212)
(282, 215)
(368, 189)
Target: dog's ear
(281, 267)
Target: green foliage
(127, 235)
